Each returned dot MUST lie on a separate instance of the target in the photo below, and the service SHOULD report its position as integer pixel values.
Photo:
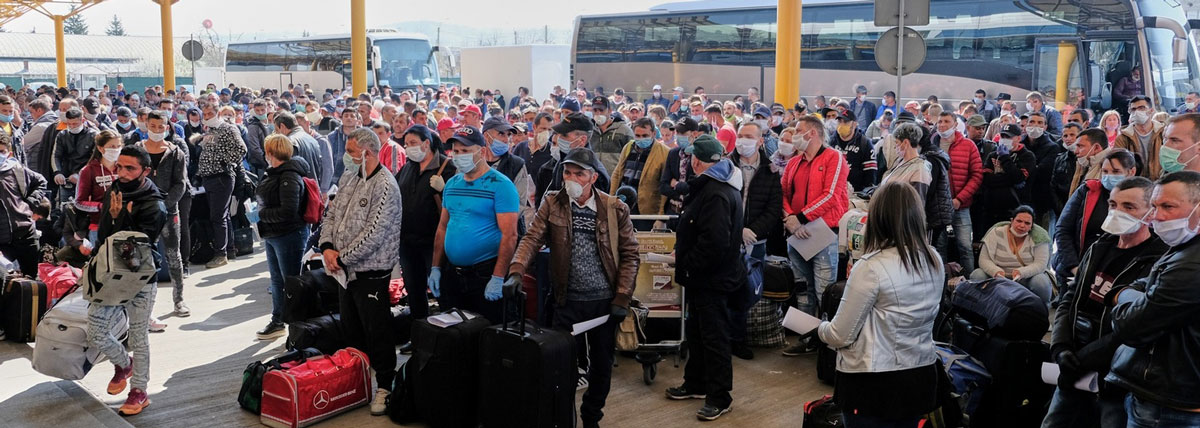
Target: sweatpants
(367, 322)
(99, 333)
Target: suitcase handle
(515, 295)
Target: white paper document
(820, 236)
(660, 258)
(339, 276)
(800, 321)
(1089, 382)
(448, 319)
(583, 327)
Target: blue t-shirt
(472, 234)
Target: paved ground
(197, 365)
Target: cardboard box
(656, 286)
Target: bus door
(1111, 59)
(1057, 74)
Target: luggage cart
(659, 293)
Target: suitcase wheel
(649, 371)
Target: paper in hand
(799, 321)
(1090, 382)
(583, 327)
(820, 236)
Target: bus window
(1172, 80)
(1057, 72)
(1109, 62)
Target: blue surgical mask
(683, 141)
(1109, 181)
(464, 162)
(6, 118)
(499, 147)
(644, 143)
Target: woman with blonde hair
(281, 200)
(1110, 122)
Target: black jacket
(1070, 227)
(72, 151)
(1159, 332)
(1061, 177)
(1007, 187)
(1084, 331)
(860, 157)
(281, 198)
(148, 216)
(256, 135)
(708, 240)
(939, 204)
(1045, 150)
(18, 224)
(170, 175)
(421, 208)
(676, 193)
(764, 197)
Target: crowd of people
(1076, 206)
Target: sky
(241, 19)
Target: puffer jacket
(1008, 186)
(939, 205)
(256, 135)
(171, 173)
(608, 143)
(281, 197)
(764, 198)
(37, 152)
(552, 227)
(649, 200)
(885, 321)
(995, 254)
(710, 230)
(1159, 331)
(966, 168)
(1087, 206)
(1128, 140)
(1060, 178)
(363, 221)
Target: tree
(115, 27)
(75, 24)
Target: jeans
(285, 255)
(99, 333)
(168, 244)
(863, 421)
(961, 222)
(819, 273)
(709, 368)
(219, 189)
(1039, 284)
(1144, 414)
(25, 253)
(1071, 408)
(367, 322)
(598, 342)
(462, 288)
(415, 263)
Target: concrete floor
(197, 365)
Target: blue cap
(570, 104)
(763, 111)
(467, 135)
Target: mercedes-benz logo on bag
(321, 400)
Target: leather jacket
(1159, 331)
(885, 321)
(552, 227)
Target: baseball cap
(763, 111)
(976, 120)
(667, 124)
(445, 123)
(124, 111)
(601, 102)
(777, 108)
(90, 104)
(656, 88)
(520, 127)
(467, 135)
(686, 124)
(497, 124)
(573, 122)
(847, 116)
(583, 157)
(1011, 130)
(1003, 96)
(226, 91)
(706, 148)
(570, 104)
(329, 107)
(470, 108)
(678, 89)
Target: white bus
(398, 60)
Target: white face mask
(601, 119)
(111, 154)
(543, 138)
(800, 143)
(573, 189)
(746, 147)
(415, 154)
(786, 148)
(1007, 143)
(947, 134)
(314, 117)
(1139, 117)
(1029, 107)
(762, 124)
(76, 129)
(156, 136)
(1034, 132)
(1017, 234)
(1120, 223)
(1175, 232)
(214, 122)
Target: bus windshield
(406, 63)
(1172, 80)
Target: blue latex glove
(494, 290)
(435, 281)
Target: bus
(1074, 52)
(398, 60)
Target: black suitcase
(444, 371)
(25, 301)
(243, 241)
(1017, 396)
(827, 358)
(778, 281)
(402, 321)
(309, 295)
(323, 333)
(526, 374)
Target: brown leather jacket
(552, 227)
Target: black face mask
(127, 187)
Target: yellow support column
(787, 52)
(358, 46)
(60, 51)
(168, 44)
(1067, 55)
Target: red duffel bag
(314, 391)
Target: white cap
(657, 87)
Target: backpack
(1003, 307)
(314, 204)
(122, 266)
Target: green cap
(706, 148)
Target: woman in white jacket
(883, 330)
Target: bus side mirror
(1178, 42)
(375, 58)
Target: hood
(724, 172)
(293, 165)
(147, 191)
(938, 156)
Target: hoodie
(709, 236)
(148, 213)
(608, 143)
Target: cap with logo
(573, 122)
(1010, 130)
(601, 102)
(468, 135)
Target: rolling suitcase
(827, 358)
(1017, 396)
(25, 301)
(444, 370)
(323, 333)
(319, 389)
(526, 374)
(62, 349)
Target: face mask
(776, 120)
(1070, 147)
(697, 117)
(762, 123)
(129, 186)
(786, 148)
(683, 141)
(1169, 159)
(194, 123)
(348, 163)
(543, 138)
(601, 119)
(644, 143)
(141, 127)
(111, 154)
(499, 147)
(1120, 223)
(1007, 143)
(4, 158)
(947, 134)
(1109, 181)
(588, 114)
(156, 136)
(978, 100)
(76, 129)
(261, 117)
(465, 162)
(214, 122)
(1189, 106)
(1139, 117)
(6, 118)
(1016, 234)
(831, 125)
(746, 147)
(181, 117)
(314, 117)
(415, 154)
(227, 119)
(574, 190)
(1029, 107)
(800, 143)
(1175, 232)
(657, 94)
(1034, 132)
(124, 125)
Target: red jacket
(817, 189)
(966, 170)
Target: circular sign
(207, 24)
(888, 46)
(192, 50)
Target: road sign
(887, 12)
(192, 51)
(887, 51)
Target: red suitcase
(316, 390)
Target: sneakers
(681, 393)
(182, 310)
(379, 403)
(740, 350)
(273, 330)
(711, 413)
(135, 403)
(217, 262)
(157, 326)
(801, 348)
(120, 379)
(582, 382)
